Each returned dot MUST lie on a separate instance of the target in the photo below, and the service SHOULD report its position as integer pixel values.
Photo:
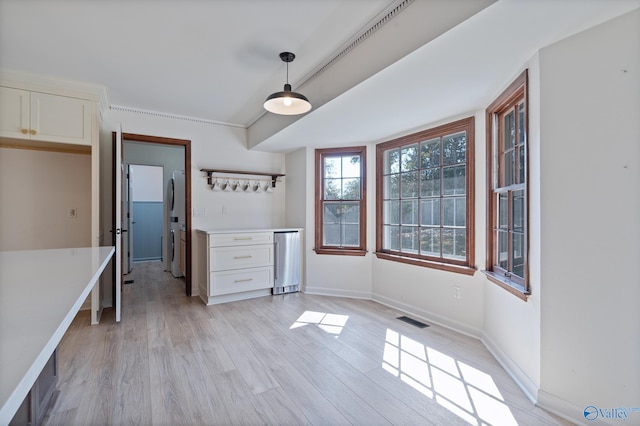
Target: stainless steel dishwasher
(287, 262)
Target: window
(341, 201)
(507, 188)
(424, 185)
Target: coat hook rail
(210, 172)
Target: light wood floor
(293, 359)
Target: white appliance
(177, 219)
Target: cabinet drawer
(226, 282)
(240, 239)
(223, 258)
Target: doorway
(184, 148)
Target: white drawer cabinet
(240, 239)
(45, 117)
(226, 258)
(227, 282)
(234, 266)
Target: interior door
(118, 208)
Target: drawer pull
(243, 281)
(242, 257)
(242, 238)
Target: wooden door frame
(187, 180)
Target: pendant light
(287, 102)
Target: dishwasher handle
(275, 260)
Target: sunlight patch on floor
(331, 323)
(469, 393)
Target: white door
(118, 172)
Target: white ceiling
(217, 60)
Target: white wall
(296, 197)
(37, 189)
(590, 212)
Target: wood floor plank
(98, 406)
(233, 401)
(379, 399)
(348, 403)
(133, 383)
(168, 405)
(420, 398)
(275, 407)
(248, 363)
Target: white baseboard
(524, 382)
(429, 316)
(321, 291)
(565, 409)
(537, 396)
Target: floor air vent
(413, 322)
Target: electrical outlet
(73, 212)
(456, 292)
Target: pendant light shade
(287, 102)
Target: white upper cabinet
(45, 117)
(14, 113)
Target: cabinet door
(60, 119)
(14, 113)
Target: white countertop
(41, 291)
(235, 231)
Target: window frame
(466, 266)
(515, 94)
(320, 155)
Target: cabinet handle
(243, 281)
(24, 131)
(242, 238)
(33, 132)
(242, 257)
